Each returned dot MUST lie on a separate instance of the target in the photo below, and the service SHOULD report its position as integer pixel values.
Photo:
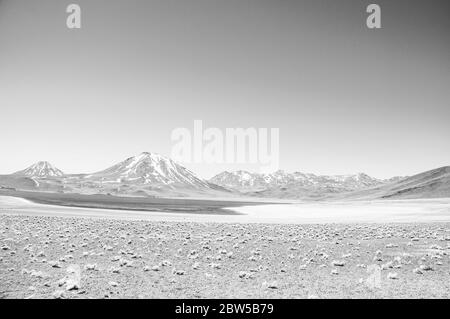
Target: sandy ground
(55, 252)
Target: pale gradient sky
(346, 99)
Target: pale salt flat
(401, 211)
(398, 211)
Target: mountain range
(153, 175)
(146, 174)
(251, 182)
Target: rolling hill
(430, 184)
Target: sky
(345, 98)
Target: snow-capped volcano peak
(152, 169)
(41, 169)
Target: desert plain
(381, 249)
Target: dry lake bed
(63, 253)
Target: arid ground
(75, 256)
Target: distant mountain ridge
(147, 174)
(430, 184)
(246, 181)
(150, 175)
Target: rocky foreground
(57, 257)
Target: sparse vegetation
(68, 257)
